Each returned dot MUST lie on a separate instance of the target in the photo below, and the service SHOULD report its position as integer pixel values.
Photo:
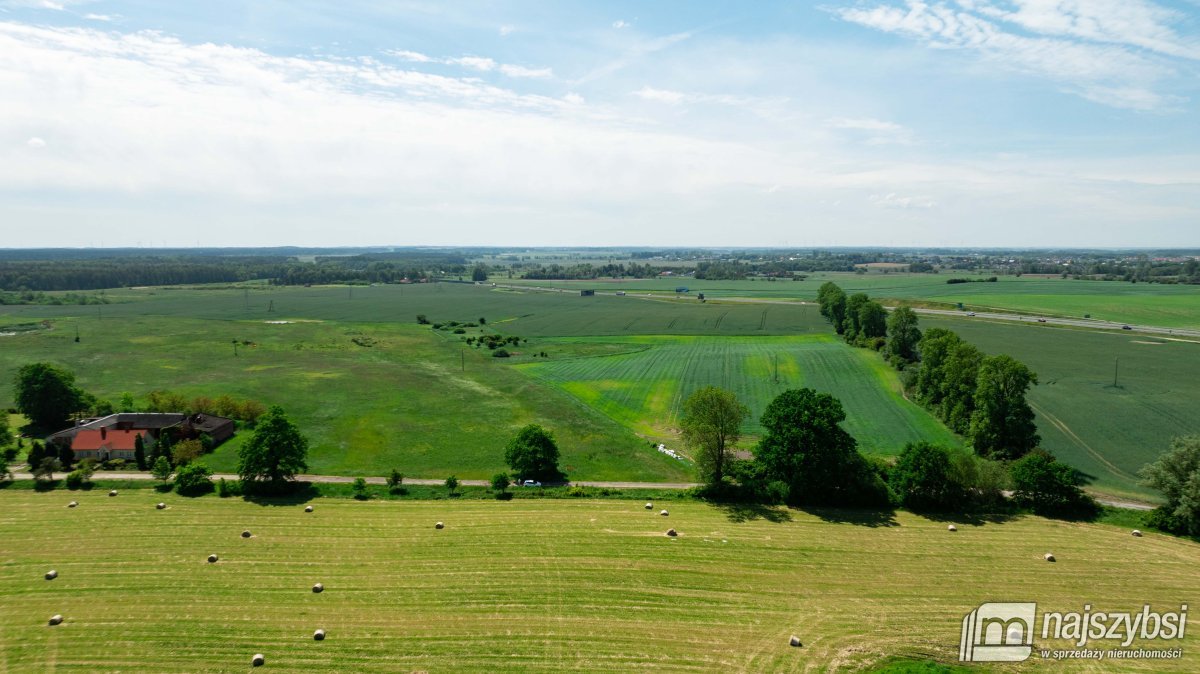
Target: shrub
(394, 480)
(193, 479)
(500, 481)
(452, 484)
(500, 353)
(360, 489)
(923, 478)
(225, 488)
(78, 479)
(422, 320)
(1049, 487)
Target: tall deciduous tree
(1002, 424)
(851, 324)
(712, 421)
(276, 452)
(1177, 475)
(872, 320)
(903, 336)
(805, 446)
(934, 348)
(533, 455)
(960, 375)
(832, 300)
(6, 434)
(47, 395)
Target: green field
(1107, 432)
(645, 387)
(1174, 306)
(566, 585)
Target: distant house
(587, 293)
(113, 436)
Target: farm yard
(644, 389)
(578, 585)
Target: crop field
(562, 585)
(398, 397)
(1173, 306)
(645, 388)
(1106, 431)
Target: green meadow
(556, 585)
(644, 388)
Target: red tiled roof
(110, 439)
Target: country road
(983, 315)
(343, 479)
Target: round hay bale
(257, 660)
(246, 534)
(212, 559)
(671, 533)
(663, 513)
(73, 504)
(319, 635)
(1137, 533)
(951, 528)
(1050, 557)
(160, 506)
(51, 574)
(113, 492)
(439, 525)
(794, 642)
(56, 619)
(307, 509)
(649, 506)
(318, 588)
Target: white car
(531, 483)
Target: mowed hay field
(569, 585)
(645, 388)
(1107, 432)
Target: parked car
(1126, 327)
(970, 313)
(531, 483)
(1041, 320)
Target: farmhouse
(113, 436)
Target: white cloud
(660, 95)
(521, 71)
(873, 131)
(36, 143)
(619, 24)
(479, 63)
(507, 30)
(57, 6)
(415, 57)
(893, 200)
(573, 98)
(97, 17)
(1091, 51)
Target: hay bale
(160, 506)
(56, 619)
(663, 513)
(951, 528)
(51, 574)
(318, 588)
(649, 506)
(307, 509)
(72, 504)
(319, 635)
(671, 533)
(794, 642)
(1050, 557)
(212, 559)
(439, 525)
(246, 534)
(257, 660)
(1137, 533)
(113, 492)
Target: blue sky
(873, 122)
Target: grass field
(1175, 306)
(567, 585)
(1107, 432)
(645, 387)
(404, 402)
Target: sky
(1022, 123)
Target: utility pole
(1116, 370)
(235, 348)
(271, 307)
(462, 355)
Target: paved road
(342, 479)
(986, 315)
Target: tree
(1048, 486)
(923, 477)
(162, 447)
(452, 484)
(360, 489)
(934, 348)
(805, 447)
(395, 480)
(46, 468)
(851, 323)
(66, 456)
(500, 481)
(36, 453)
(479, 273)
(960, 379)
(903, 336)
(6, 434)
(872, 320)
(186, 451)
(1177, 475)
(275, 453)
(161, 470)
(533, 455)
(5, 472)
(712, 421)
(126, 402)
(193, 478)
(47, 395)
(139, 451)
(1002, 424)
(832, 301)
